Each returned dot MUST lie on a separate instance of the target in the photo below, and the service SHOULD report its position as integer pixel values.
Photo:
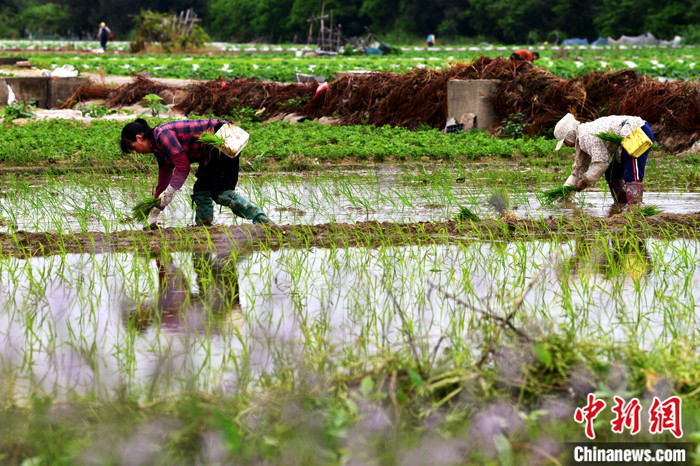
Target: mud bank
(333, 235)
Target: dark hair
(536, 54)
(131, 130)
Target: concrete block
(11, 60)
(472, 96)
(26, 89)
(308, 78)
(47, 92)
(60, 89)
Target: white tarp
(645, 39)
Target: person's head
(566, 131)
(536, 55)
(137, 136)
(102, 24)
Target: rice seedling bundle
(649, 210)
(552, 195)
(466, 214)
(143, 208)
(211, 139)
(609, 136)
(499, 201)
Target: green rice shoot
(465, 215)
(609, 136)
(143, 208)
(211, 139)
(499, 200)
(650, 210)
(552, 195)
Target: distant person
(430, 41)
(103, 35)
(81, 33)
(176, 145)
(524, 55)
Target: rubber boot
(204, 208)
(634, 191)
(242, 208)
(617, 189)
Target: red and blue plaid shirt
(176, 145)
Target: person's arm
(591, 177)
(172, 149)
(165, 174)
(581, 164)
(599, 160)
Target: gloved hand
(582, 184)
(572, 180)
(154, 219)
(166, 197)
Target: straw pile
(419, 98)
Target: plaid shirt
(176, 146)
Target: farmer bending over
(594, 156)
(176, 145)
(524, 55)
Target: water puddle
(92, 323)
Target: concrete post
(472, 96)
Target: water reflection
(178, 309)
(617, 256)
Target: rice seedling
(211, 139)
(499, 201)
(143, 208)
(465, 214)
(650, 210)
(552, 195)
(610, 137)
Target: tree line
(500, 21)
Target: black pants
(219, 174)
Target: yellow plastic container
(636, 143)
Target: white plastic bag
(235, 139)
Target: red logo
(588, 413)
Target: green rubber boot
(242, 208)
(204, 208)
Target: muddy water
(92, 323)
(72, 205)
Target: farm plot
(368, 325)
(289, 342)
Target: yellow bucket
(636, 143)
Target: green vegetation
(610, 137)
(676, 63)
(308, 146)
(17, 110)
(143, 208)
(167, 32)
(84, 144)
(209, 138)
(555, 194)
(153, 102)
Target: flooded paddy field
(97, 323)
(366, 325)
(86, 203)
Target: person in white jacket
(595, 157)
